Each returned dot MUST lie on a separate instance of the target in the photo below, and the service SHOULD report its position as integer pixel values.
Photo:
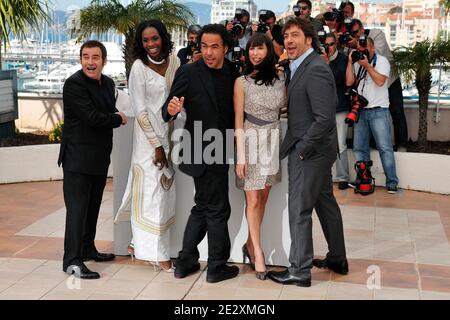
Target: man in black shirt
(275, 32)
(89, 118)
(304, 8)
(338, 63)
(205, 90)
(190, 53)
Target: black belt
(373, 108)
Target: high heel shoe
(158, 267)
(262, 275)
(130, 250)
(246, 255)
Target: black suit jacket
(89, 119)
(194, 83)
(312, 102)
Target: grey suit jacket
(312, 102)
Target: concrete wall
(43, 112)
(415, 171)
(31, 163)
(39, 112)
(437, 131)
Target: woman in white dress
(150, 194)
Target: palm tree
(415, 64)
(17, 15)
(103, 15)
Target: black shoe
(246, 255)
(224, 273)
(392, 189)
(181, 272)
(343, 185)
(340, 267)
(284, 277)
(100, 257)
(82, 272)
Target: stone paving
(402, 238)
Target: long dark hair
(267, 73)
(166, 47)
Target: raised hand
(175, 106)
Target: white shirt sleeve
(383, 67)
(144, 115)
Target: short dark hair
(195, 28)
(270, 14)
(347, 3)
(307, 28)
(139, 51)
(357, 22)
(331, 35)
(245, 13)
(94, 44)
(267, 72)
(308, 3)
(220, 30)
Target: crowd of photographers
(368, 85)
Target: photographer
(369, 75)
(303, 10)
(267, 23)
(396, 107)
(348, 8)
(236, 53)
(338, 62)
(192, 52)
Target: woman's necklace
(156, 62)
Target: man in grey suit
(311, 145)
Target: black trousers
(209, 215)
(398, 114)
(83, 196)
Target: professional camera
(296, 9)
(324, 48)
(334, 14)
(362, 50)
(364, 183)
(358, 102)
(237, 26)
(262, 25)
(346, 30)
(236, 57)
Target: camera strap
(362, 73)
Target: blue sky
(275, 5)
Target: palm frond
(17, 15)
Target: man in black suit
(311, 145)
(89, 118)
(205, 89)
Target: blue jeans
(377, 121)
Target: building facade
(222, 10)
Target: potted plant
(415, 64)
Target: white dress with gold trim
(151, 207)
